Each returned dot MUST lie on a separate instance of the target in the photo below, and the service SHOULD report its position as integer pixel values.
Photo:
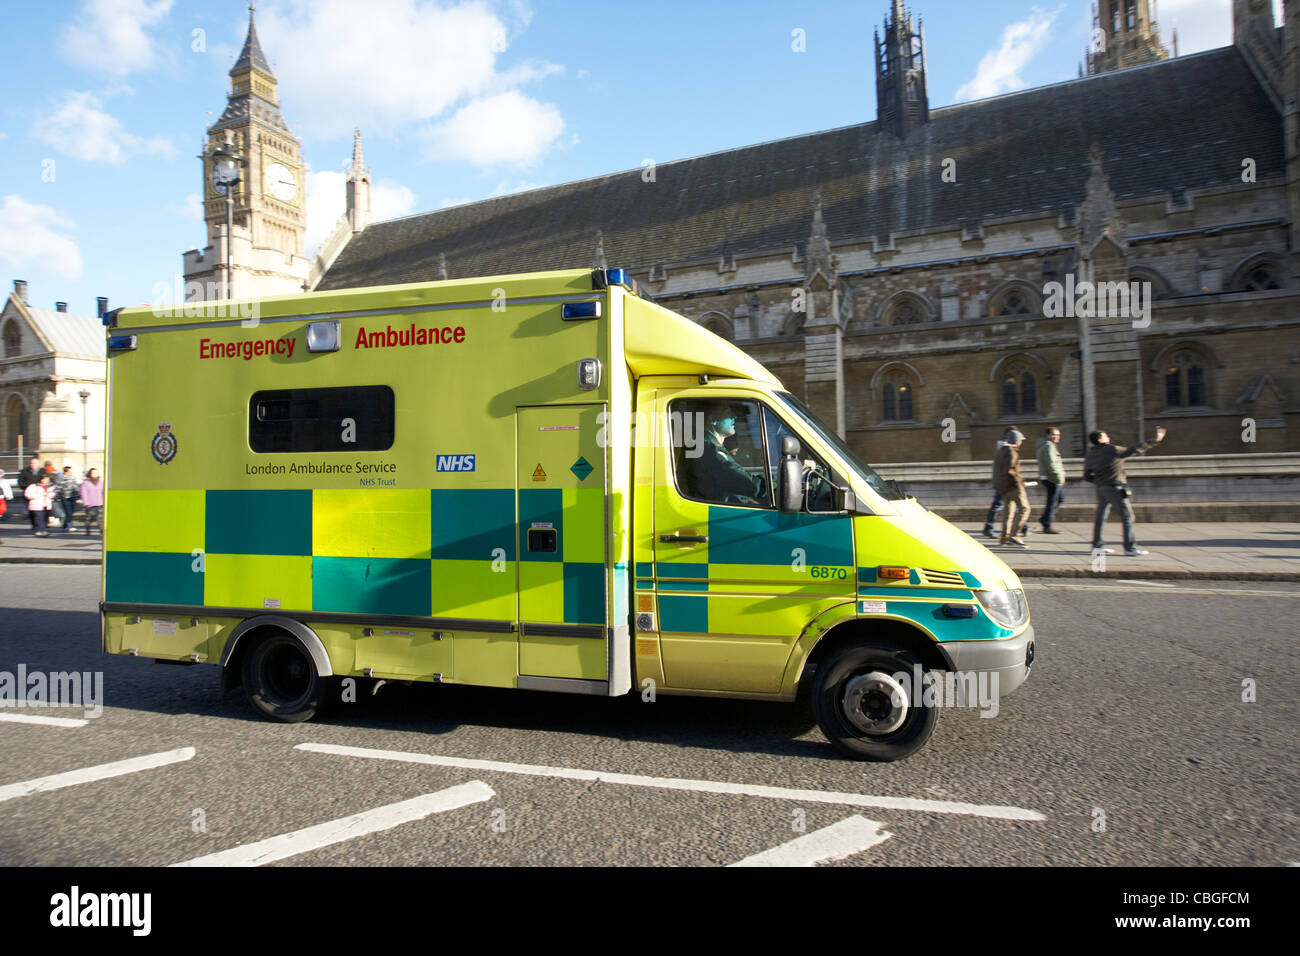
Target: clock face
(280, 182)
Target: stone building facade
(52, 384)
(918, 278)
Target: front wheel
(866, 703)
(280, 679)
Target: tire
(878, 727)
(280, 679)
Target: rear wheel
(866, 703)
(280, 679)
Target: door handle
(684, 538)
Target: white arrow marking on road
(835, 842)
(678, 783)
(89, 774)
(346, 828)
(47, 721)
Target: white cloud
(999, 70)
(504, 129)
(110, 35)
(327, 201)
(79, 128)
(396, 63)
(31, 237)
(191, 208)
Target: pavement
(1223, 551)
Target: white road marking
(89, 774)
(1147, 584)
(835, 842)
(347, 828)
(47, 721)
(1242, 592)
(678, 783)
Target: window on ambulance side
(352, 418)
(819, 478)
(718, 452)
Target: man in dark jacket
(1104, 466)
(28, 476)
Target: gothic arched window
(896, 398)
(906, 308)
(13, 338)
(1015, 300)
(1262, 276)
(1185, 381)
(917, 62)
(913, 93)
(15, 424)
(1019, 392)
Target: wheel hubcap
(875, 703)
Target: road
(1129, 745)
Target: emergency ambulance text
(394, 338)
(246, 350)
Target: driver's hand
(809, 464)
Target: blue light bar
(959, 610)
(580, 310)
(122, 343)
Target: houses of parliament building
(899, 273)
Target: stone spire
(254, 95)
(1098, 216)
(358, 187)
(902, 95)
(251, 56)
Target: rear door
(563, 545)
(736, 581)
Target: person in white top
(40, 499)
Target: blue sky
(105, 102)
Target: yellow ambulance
(540, 481)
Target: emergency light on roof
(324, 336)
(580, 310)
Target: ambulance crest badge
(164, 444)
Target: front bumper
(1009, 657)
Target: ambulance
(538, 481)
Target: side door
(563, 546)
(736, 580)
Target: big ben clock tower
(267, 209)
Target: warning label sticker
(871, 607)
(538, 473)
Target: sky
(105, 102)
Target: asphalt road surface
(1129, 744)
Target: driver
(717, 476)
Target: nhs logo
(455, 462)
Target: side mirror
(790, 489)
(843, 499)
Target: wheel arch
(237, 645)
(900, 632)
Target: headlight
(1008, 608)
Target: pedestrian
(997, 501)
(1051, 472)
(32, 473)
(65, 497)
(40, 496)
(92, 500)
(5, 494)
(49, 470)
(1104, 466)
(1009, 484)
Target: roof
(1183, 123)
(68, 333)
(251, 56)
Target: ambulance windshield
(886, 489)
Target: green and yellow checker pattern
(427, 553)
